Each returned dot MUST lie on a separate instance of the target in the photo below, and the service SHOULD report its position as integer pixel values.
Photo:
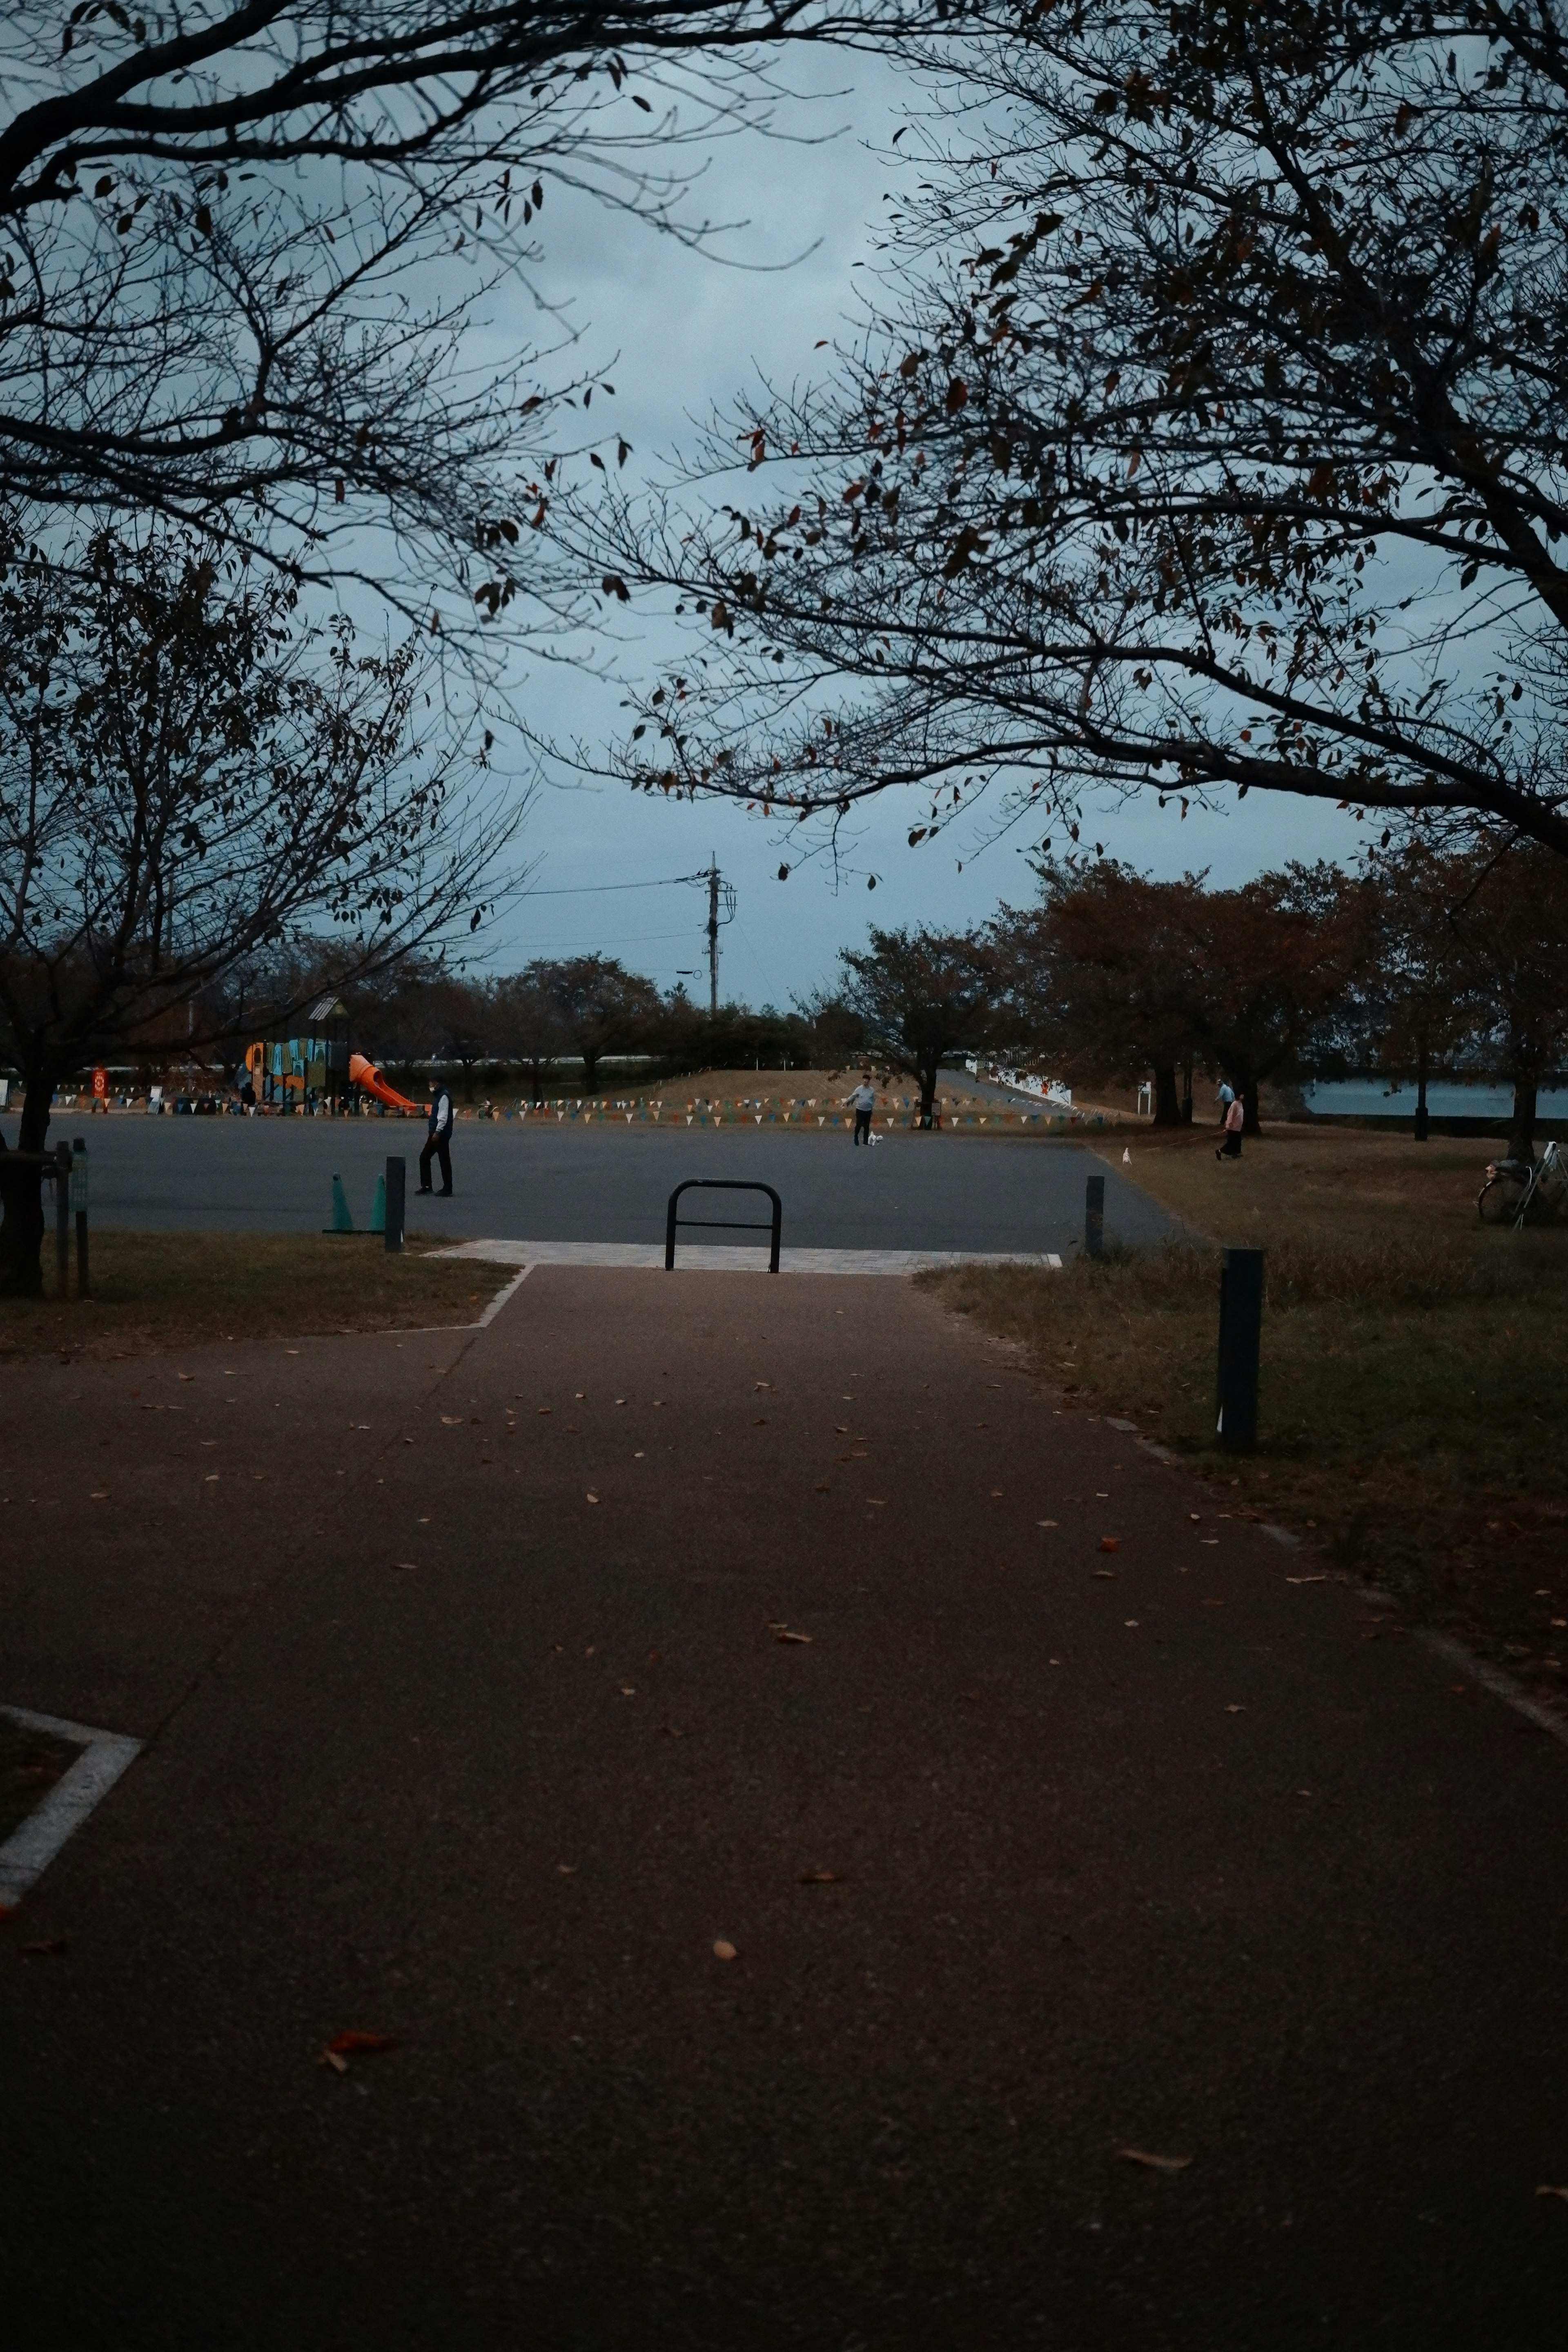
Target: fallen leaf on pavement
(593, 1498)
(1547, 2189)
(355, 2043)
(1155, 2163)
(49, 1948)
(567, 1869)
(822, 1490)
(724, 1951)
(1110, 1543)
(187, 1376)
(405, 1563)
(821, 1877)
(1306, 1579)
(784, 1634)
(1110, 1573)
(329, 2058)
(545, 1410)
(1236, 1710)
(1045, 1523)
(451, 1421)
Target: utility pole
(720, 910)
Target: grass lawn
(1413, 1409)
(164, 1290)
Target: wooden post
(1240, 1347)
(1094, 1216)
(79, 1202)
(396, 1180)
(62, 1217)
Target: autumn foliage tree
(1119, 976)
(193, 781)
(919, 996)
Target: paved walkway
(460, 1661)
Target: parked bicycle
(1521, 1191)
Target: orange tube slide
(365, 1074)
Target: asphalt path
(1169, 1848)
(594, 1183)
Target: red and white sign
(101, 1085)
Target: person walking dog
(439, 1141)
(863, 1102)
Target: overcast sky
(677, 332)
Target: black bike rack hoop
(725, 1224)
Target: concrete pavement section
(469, 1720)
(575, 1183)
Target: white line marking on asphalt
(704, 1258)
(1501, 1686)
(29, 1849)
(500, 1300)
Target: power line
(593, 890)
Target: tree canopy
(1207, 433)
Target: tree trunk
(1167, 1109)
(1423, 1124)
(1186, 1092)
(1251, 1123)
(590, 1068)
(22, 1200)
(536, 1082)
(1521, 1134)
(927, 1078)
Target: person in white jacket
(439, 1141)
(863, 1102)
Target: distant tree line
(1428, 961)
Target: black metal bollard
(396, 1175)
(79, 1203)
(1094, 1216)
(62, 1217)
(1240, 1344)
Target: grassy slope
(161, 1290)
(1412, 1404)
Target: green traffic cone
(342, 1220)
(378, 1207)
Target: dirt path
(1148, 1848)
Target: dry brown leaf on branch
(1155, 2163)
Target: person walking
(1231, 1147)
(439, 1141)
(863, 1102)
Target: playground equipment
(368, 1078)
